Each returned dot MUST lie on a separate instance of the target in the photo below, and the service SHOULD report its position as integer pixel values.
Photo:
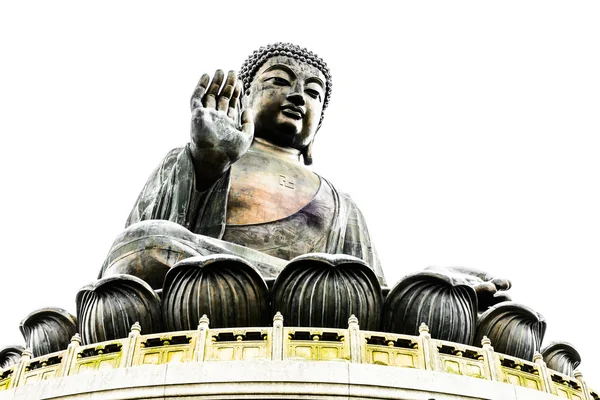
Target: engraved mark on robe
(286, 182)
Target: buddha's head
(288, 88)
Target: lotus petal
(110, 306)
(324, 290)
(48, 330)
(513, 329)
(228, 289)
(10, 355)
(562, 357)
(446, 305)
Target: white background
(467, 132)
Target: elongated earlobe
(307, 154)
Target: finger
(232, 112)
(485, 288)
(248, 122)
(499, 298)
(225, 95)
(196, 99)
(501, 284)
(209, 100)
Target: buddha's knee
(148, 249)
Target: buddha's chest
(265, 190)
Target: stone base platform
(281, 362)
(266, 379)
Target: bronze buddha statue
(240, 186)
(233, 225)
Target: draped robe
(170, 195)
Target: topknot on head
(260, 56)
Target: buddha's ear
(307, 153)
(244, 101)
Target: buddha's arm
(170, 194)
(191, 181)
(358, 241)
(146, 201)
(349, 234)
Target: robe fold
(170, 194)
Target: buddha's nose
(295, 96)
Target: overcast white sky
(467, 132)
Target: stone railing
(290, 343)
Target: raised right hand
(218, 137)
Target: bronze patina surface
(242, 179)
(234, 227)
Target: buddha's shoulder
(337, 192)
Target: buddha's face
(287, 96)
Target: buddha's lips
(292, 111)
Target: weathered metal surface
(562, 357)
(227, 289)
(446, 305)
(9, 355)
(109, 307)
(490, 290)
(325, 290)
(241, 177)
(48, 330)
(148, 250)
(513, 328)
(239, 188)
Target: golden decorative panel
(316, 344)
(312, 344)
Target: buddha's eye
(314, 94)
(278, 81)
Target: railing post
(70, 356)
(354, 339)
(544, 374)
(203, 327)
(277, 339)
(426, 349)
(586, 391)
(490, 358)
(131, 344)
(20, 367)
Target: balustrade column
(203, 328)
(428, 353)
(70, 356)
(19, 369)
(130, 345)
(544, 373)
(490, 358)
(277, 338)
(354, 339)
(584, 387)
